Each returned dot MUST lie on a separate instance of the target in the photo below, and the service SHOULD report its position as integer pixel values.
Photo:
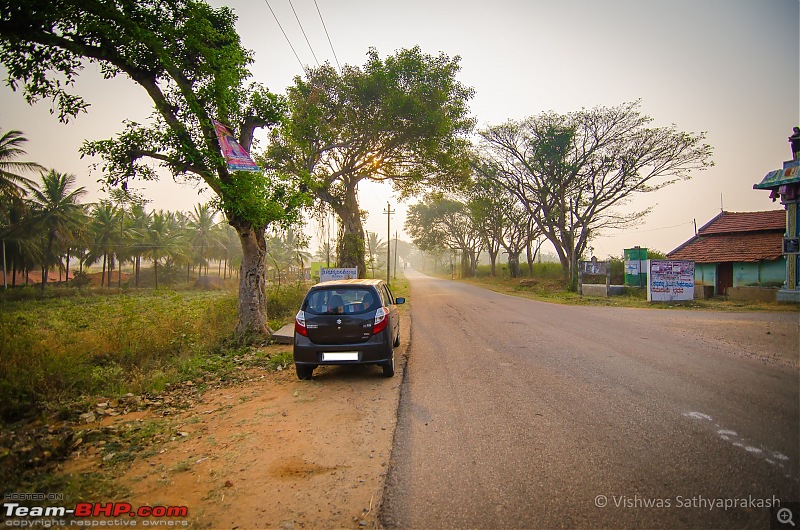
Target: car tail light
(381, 320)
(300, 323)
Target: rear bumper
(376, 350)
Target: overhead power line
(284, 34)
(328, 35)
(304, 32)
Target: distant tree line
(44, 226)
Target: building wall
(773, 273)
(705, 274)
(763, 273)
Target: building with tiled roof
(738, 249)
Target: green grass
(57, 349)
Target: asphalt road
(522, 414)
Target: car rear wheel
(388, 367)
(397, 339)
(304, 371)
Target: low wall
(703, 291)
(753, 294)
(594, 289)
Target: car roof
(348, 283)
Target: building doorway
(724, 277)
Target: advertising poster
(235, 155)
(670, 280)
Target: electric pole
(388, 211)
(395, 254)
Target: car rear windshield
(341, 301)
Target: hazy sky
(728, 67)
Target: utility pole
(388, 211)
(395, 254)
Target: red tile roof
(763, 246)
(728, 222)
(736, 236)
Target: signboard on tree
(670, 280)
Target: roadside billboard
(670, 280)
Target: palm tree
(376, 247)
(21, 244)
(105, 237)
(202, 234)
(298, 246)
(163, 239)
(326, 253)
(231, 247)
(11, 182)
(56, 212)
(138, 221)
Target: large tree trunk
(350, 247)
(513, 264)
(252, 308)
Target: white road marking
(733, 438)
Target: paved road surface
(520, 414)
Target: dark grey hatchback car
(347, 322)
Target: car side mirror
(400, 300)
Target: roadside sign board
(340, 273)
(670, 280)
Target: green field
(57, 351)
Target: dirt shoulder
(269, 452)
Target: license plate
(340, 356)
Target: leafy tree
(439, 222)
(402, 120)
(488, 204)
(56, 213)
(573, 171)
(188, 58)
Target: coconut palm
(104, 229)
(297, 243)
(55, 212)
(163, 239)
(202, 234)
(231, 247)
(12, 184)
(376, 247)
(138, 221)
(21, 245)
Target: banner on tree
(235, 156)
